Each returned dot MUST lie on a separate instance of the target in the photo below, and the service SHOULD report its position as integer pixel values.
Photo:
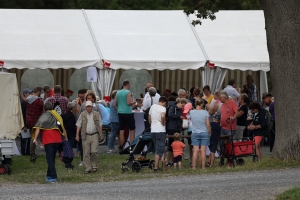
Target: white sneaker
(111, 151)
(81, 164)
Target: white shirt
(147, 96)
(90, 127)
(155, 113)
(147, 102)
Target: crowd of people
(202, 116)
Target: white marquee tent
(132, 40)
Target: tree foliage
(128, 4)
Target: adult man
(152, 100)
(46, 92)
(34, 109)
(157, 119)
(182, 93)
(232, 91)
(250, 90)
(25, 142)
(147, 95)
(58, 102)
(229, 110)
(123, 103)
(90, 124)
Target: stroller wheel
(136, 166)
(240, 161)
(9, 169)
(151, 164)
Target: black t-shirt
(242, 120)
(215, 132)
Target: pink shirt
(228, 110)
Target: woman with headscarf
(53, 129)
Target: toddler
(177, 147)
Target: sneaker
(111, 151)
(169, 164)
(207, 164)
(87, 172)
(81, 164)
(50, 180)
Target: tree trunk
(282, 18)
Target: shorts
(171, 140)
(258, 139)
(126, 119)
(213, 148)
(200, 139)
(159, 142)
(228, 132)
(177, 159)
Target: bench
(106, 130)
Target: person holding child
(201, 132)
(177, 147)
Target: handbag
(185, 123)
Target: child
(214, 138)
(177, 147)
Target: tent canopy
(45, 39)
(146, 39)
(235, 40)
(131, 39)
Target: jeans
(51, 150)
(200, 139)
(113, 134)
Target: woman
(114, 120)
(241, 116)
(258, 126)
(196, 96)
(215, 104)
(207, 95)
(90, 97)
(201, 132)
(70, 126)
(174, 124)
(53, 129)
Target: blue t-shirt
(199, 120)
(123, 107)
(113, 113)
(105, 114)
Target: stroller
(137, 147)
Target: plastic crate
(7, 147)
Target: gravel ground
(240, 185)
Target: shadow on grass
(110, 170)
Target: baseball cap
(217, 116)
(26, 90)
(88, 103)
(187, 107)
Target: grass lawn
(293, 194)
(110, 170)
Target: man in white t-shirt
(157, 119)
(147, 95)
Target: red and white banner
(1, 63)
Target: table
(139, 125)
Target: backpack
(57, 107)
(268, 118)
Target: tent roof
(45, 39)
(131, 39)
(235, 40)
(146, 39)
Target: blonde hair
(181, 100)
(177, 137)
(90, 91)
